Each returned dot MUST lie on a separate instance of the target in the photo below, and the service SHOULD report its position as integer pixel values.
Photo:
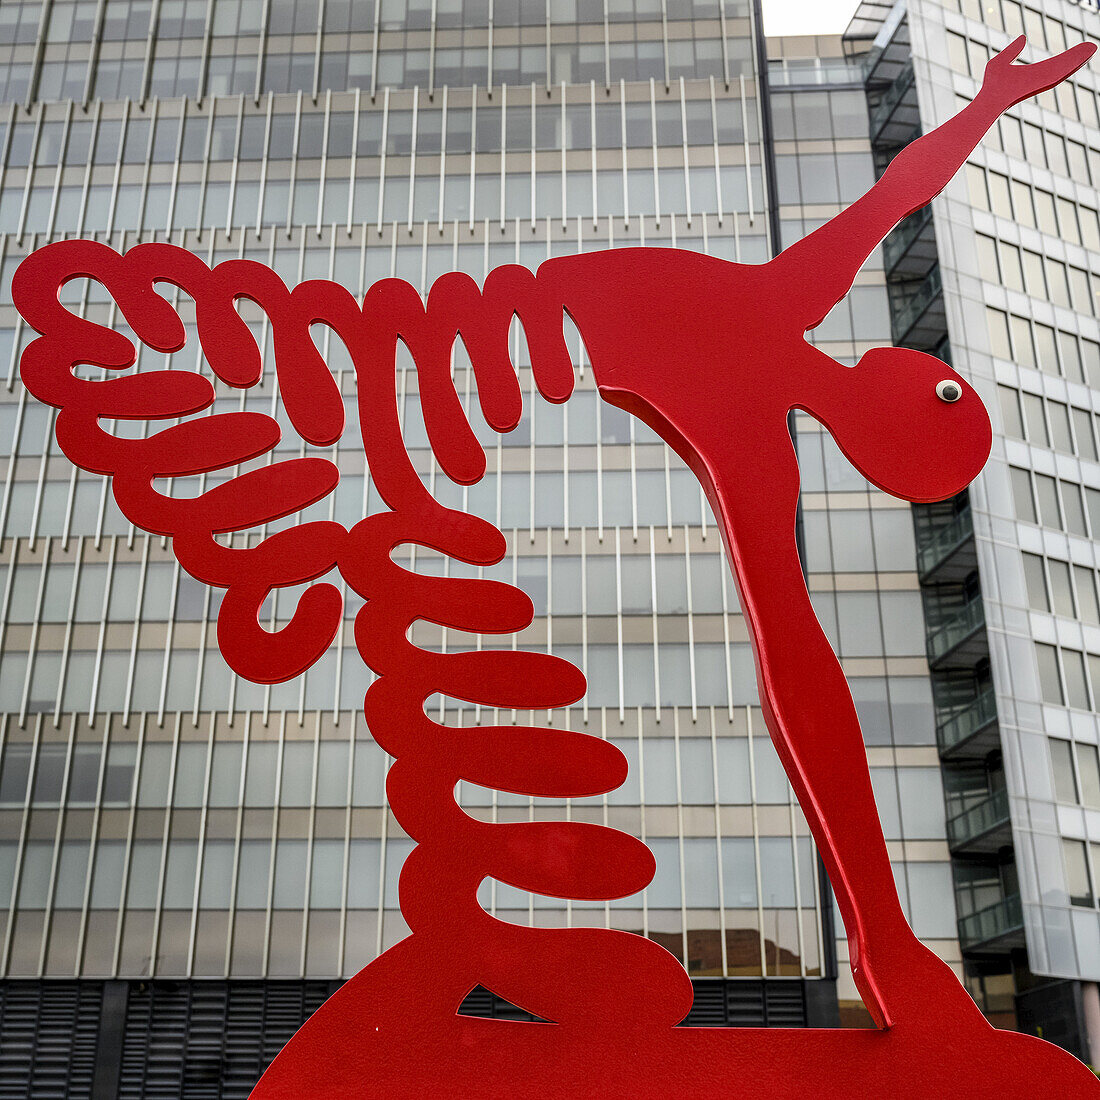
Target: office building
(190, 863)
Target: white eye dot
(948, 390)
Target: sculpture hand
(1009, 84)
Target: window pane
(1036, 582)
(1077, 872)
(1092, 499)
(998, 333)
(1082, 427)
(1065, 788)
(1051, 683)
(1060, 432)
(1087, 607)
(1073, 665)
(999, 200)
(1036, 422)
(1021, 495)
(1061, 588)
(1047, 492)
(1022, 342)
(1010, 412)
(1073, 509)
(1088, 769)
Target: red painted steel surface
(710, 354)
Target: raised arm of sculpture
(821, 268)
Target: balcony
(983, 829)
(884, 152)
(970, 733)
(910, 251)
(960, 641)
(950, 551)
(885, 26)
(897, 110)
(943, 351)
(917, 312)
(994, 930)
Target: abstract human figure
(906, 421)
(713, 356)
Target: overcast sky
(807, 16)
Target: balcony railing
(943, 350)
(794, 72)
(978, 820)
(893, 95)
(962, 725)
(991, 923)
(956, 629)
(897, 244)
(909, 308)
(945, 541)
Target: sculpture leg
(813, 723)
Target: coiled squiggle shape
(455, 852)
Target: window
(1022, 495)
(999, 201)
(1058, 283)
(1010, 412)
(1049, 680)
(1060, 433)
(1034, 150)
(1090, 228)
(1013, 17)
(1078, 882)
(1088, 770)
(1056, 153)
(1061, 758)
(988, 266)
(1067, 221)
(1079, 292)
(1012, 271)
(1046, 490)
(1046, 352)
(1012, 136)
(1033, 22)
(1021, 199)
(979, 56)
(1044, 209)
(1071, 357)
(975, 180)
(1090, 353)
(1088, 609)
(1078, 160)
(1022, 343)
(1073, 664)
(1036, 582)
(1036, 280)
(957, 56)
(1092, 499)
(998, 333)
(1035, 421)
(1061, 588)
(1073, 509)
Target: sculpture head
(913, 426)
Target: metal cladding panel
(48, 1035)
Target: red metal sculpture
(710, 354)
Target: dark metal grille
(212, 1040)
(208, 1040)
(719, 1002)
(48, 1033)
